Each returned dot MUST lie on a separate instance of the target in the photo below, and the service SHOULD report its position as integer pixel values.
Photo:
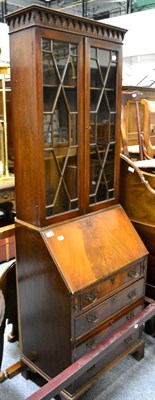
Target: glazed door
(62, 75)
(102, 120)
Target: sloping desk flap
(93, 247)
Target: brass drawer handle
(133, 274)
(92, 318)
(130, 315)
(132, 294)
(92, 296)
(91, 344)
(89, 222)
(112, 280)
(113, 299)
(128, 340)
(91, 369)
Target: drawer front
(98, 367)
(116, 281)
(97, 339)
(106, 309)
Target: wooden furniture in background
(10, 139)
(136, 176)
(5, 120)
(132, 145)
(138, 117)
(137, 196)
(7, 180)
(81, 266)
(149, 126)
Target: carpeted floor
(128, 380)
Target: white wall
(4, 43)
(139, 46)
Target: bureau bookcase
(81, 266)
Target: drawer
(94, 317)
(109, 358)
(106, 287)
(114, 324)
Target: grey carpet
(128, 380)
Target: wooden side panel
(44, 305)
(26, 126)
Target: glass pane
(103, 57)
(47, 123)
(73, 128)
(111, 77)
(60, 53)
(102, 124)
(101, 174)
(49, 96)
(71, 99)
(111, 98)
(61, 180)
(103, 109)
(95, 96)
(70, 176)
(71, 71)
(95, 77)
(93, 127)
(50, 75)
(60, 118)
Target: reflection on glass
(103, 66)
(59, 61)
(101, 173)
(61, 178)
